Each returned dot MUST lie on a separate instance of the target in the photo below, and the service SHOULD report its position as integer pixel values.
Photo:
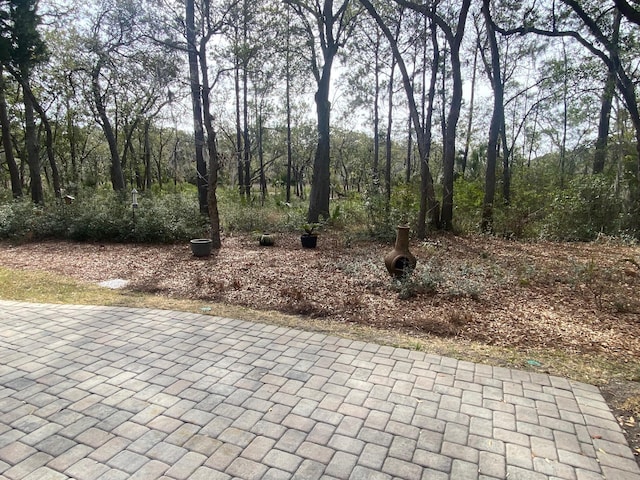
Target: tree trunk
(289, 147)
(147, 156)
(605, 107)
(506, 165)
(245, 106)
(196, 107)
(129, 150)
(239, 160)
(427, 191)
(73, 149)
(452, 118)
(33, 154)
(375, 168)
(212, 149)
(214, 216)
(263, 178)
(158, 159)
(117, 177)
(467, 143)
(321, 180)
(497, 121)
(288, 104)
(606, 104)
(449, 159)
(55, 175)
(409, 152)
(246, 141)
(16, 183)
(388, 140)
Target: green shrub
(383, 217)
(239, 215)
(587, 208)
(377, 215)
(468, 199)
(532, 191)
(17, 219)
(169, 218)
(105, 216)
(426, 279)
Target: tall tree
(327, 29)
(199, 33)
(606, 104)
(128, 76)
(287, 73)
(21, 49)
(453, 30)
(590, 24)
(5, 123)
(423, 132)
(196, 106)
(497, 120)
(467, 141)
(212, 149)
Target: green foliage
(468, 198)
(587, 208)
(168, 219)
(383, 217)
(105, 217)
(425, 280)
(239, 215)
(377, 211)
(348, 214)
(533, 190)
(18, 218)
(405, 203)
(20, 41)
(310, 228)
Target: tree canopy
(456, 97)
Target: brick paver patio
(101, 393)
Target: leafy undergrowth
(571, 309)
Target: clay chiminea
(399, 261)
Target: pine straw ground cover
(564, 308)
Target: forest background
(513, 118)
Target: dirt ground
(583, 299)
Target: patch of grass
(41, 287)
(44, 287)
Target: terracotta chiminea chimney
(399, 261)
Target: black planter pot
(309, 241)
(201, 247)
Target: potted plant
(309, 238)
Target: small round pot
(267, 240)
(309, 241)
(201, 247)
